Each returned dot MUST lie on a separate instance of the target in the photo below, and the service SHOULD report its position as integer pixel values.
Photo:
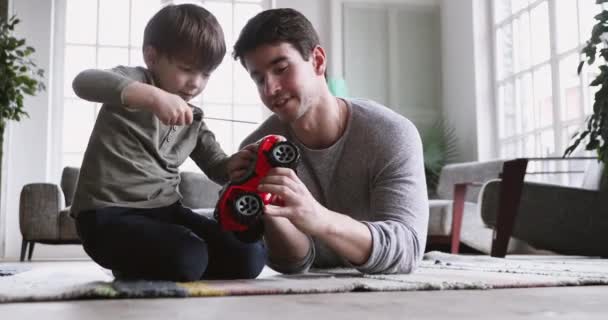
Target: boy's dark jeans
(169, 243)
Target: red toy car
(241, 205)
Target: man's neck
(323, 124)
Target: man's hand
(170, 108)
(241, 162)
(298, 205)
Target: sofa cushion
(198, 191)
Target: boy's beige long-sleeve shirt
(132, 159)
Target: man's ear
(319, 60)
(150, 56)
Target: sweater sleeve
(105, 86)
(210, 157)
(399, 205)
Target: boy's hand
(170, 109)
(241, 162)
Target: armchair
(563, 219)
(44, 213)
(454, 217)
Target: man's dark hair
(187, 31)
(275, 26)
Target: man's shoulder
(376, 116)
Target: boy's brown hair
(275, 26)
(187, 31)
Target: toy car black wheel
(284, 154)
(247, 207)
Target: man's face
(178, 75)
(287, 84)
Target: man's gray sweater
(375, 174)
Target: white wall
(467, 99)
(27, 144)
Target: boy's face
(288, 85)
(176, 75)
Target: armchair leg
(510, 194)
(31, 250)
(460, 190)
(23, 249)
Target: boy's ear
(150, 55)
(319, 60)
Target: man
(359, 197)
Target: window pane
(567, 25)
(547, 143)
(570, 88)
(78, 121)
(223, 13)
(543, 96)
(77, 59)
(518, 5)
(508, 150)
(220, 86)
(141, 12)
(223, 134)
(587, 10)
(539, 20)
(112, 57)
(502, 8)
(136, 58)
(241, 131)
(252, 113)
(218, 111)
(529, 146)
(521, 40)
(81, 21)
(524, 101)
(508, 125)
(114, 22)
(242, 14)
(244, 85)
(504, 52)
(589, 73)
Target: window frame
(559, 124)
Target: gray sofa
(44, 207)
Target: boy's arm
(129, 86)
(105, 86)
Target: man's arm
(303, 215)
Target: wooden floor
(534, 303)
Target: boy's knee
(189, 262)
(252, 263)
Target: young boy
(127, 207)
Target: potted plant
(595, 133)
(439, 148)
(19, 75)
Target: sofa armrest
(39, 208)
(467, 172)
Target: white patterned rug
(438, 271)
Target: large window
(106, 33)
(540, 99)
